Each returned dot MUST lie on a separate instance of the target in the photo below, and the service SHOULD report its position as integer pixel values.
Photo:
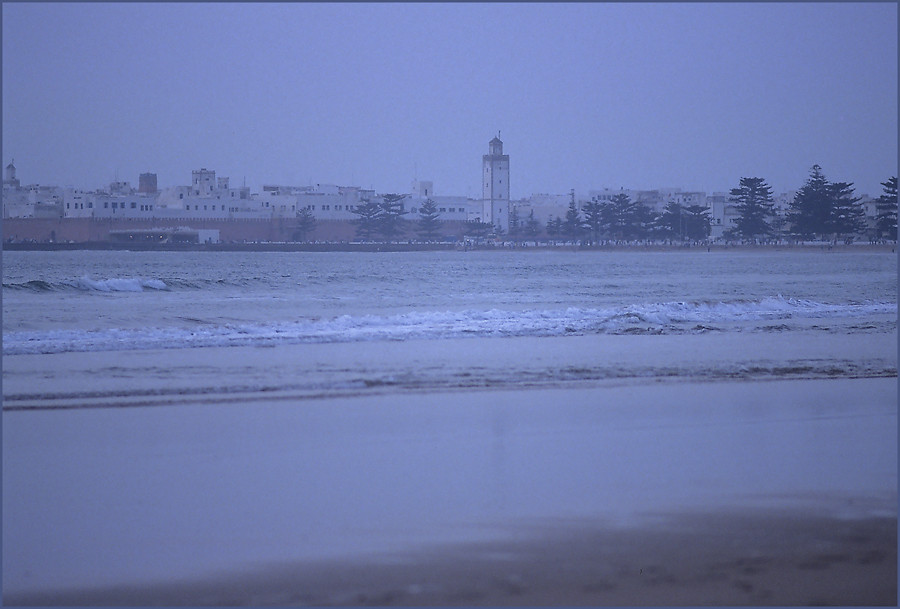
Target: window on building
(106, 205)
(181, 195)
(90, 205)
(133, 205)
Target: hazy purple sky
(585, 95)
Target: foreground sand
(786, 557)
(769, 493)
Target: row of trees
(820, 208)
(622, 219)
(381, 219)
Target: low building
(164, 235)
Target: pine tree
(696, 222)
(477, 228)
(532, 226)
(367, 222)
(304, 224)
(886, 209)
(515, 224)
(390, 221)
(573, 225)
(754, 203)
(811, 208)
(670, 224)
(429, 225)
(593, 219)
(554, 226)
(847, 216)
(825, 209)
(628, 219)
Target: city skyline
(591, 96)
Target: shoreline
(801, 556)
(426, 247)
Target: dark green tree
(554, 226)
(367, 221)
(825, 209)
(886, 210)
(779, 225)
(697, 222)
(573, 226)
(687, 223)
(811, 208)
(627, 219)
(755, 205)
(532, 226)
(478, 229)
(670, 224)
(848, 217)
(303, 225)
(390, 220)
(593, 219)
(429, 224)
(515, 224)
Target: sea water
(178, 304)
(172, 415)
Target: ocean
(169, 414)
(178, 304)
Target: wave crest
(654, 318)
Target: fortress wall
(79, 230)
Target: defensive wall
(82, 230)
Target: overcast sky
(585, 95)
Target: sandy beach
(768, 558)
(781, 493)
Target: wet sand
(777, 493)
(785, 557)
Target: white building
(449, 207)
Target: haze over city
(584, 95)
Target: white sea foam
(88, 284)
(120, 284)
(671, 317)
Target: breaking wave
(86, 284)
(657, 318)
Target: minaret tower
(9, 179)
(495, 185)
